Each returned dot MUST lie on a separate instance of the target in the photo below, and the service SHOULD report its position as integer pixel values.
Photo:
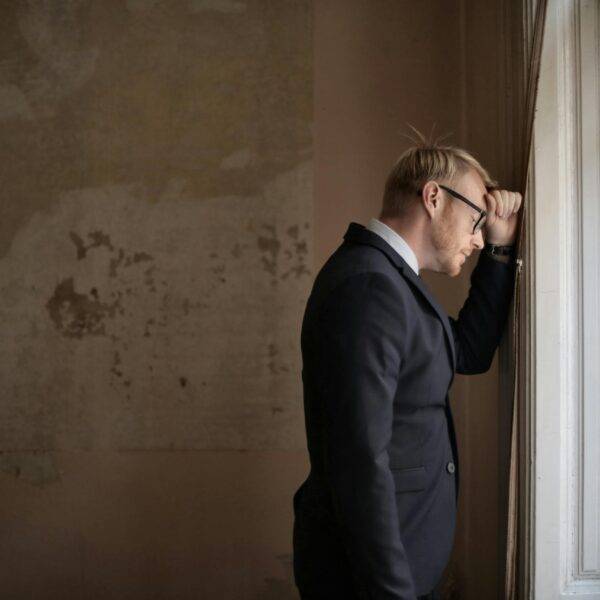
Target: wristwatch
(496, 250)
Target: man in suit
(375, 517)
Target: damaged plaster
(155, 248)
(176, 324)
(191, 100)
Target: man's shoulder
(350, 267)
(353, 259)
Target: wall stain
(148, 279)
(115, 262)
(218, 270)
(98, 238)
(141, 257)
(101, 239)
(272, 353)
(115, 365)
(76, 315)
(296, 254)
(147, 327)
(37, 468)
(270, 246)
(274, 368)
(296, 270)
(301, 247)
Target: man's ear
(430, 197)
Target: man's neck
(411, 233)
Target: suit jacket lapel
(360, 234)
(420, 285)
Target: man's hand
(502, 210)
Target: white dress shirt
(396, 241)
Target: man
(376, 516)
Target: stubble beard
(445, 246)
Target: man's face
(452, 235)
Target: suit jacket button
(450, 467)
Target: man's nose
(478, 240)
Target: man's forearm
(481, 320)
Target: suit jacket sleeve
(481, 320)
(361, 329)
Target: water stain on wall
(97, 239)
(75, 314)
(36, 468)
(143, 297)
(193, 99)
(146, 146)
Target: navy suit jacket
(375, 517)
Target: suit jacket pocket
(412, 479)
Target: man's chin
(454, 270)
(457, 266)
(450, 268)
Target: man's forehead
(475, 189)
(480, 199)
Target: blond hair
(424, 161)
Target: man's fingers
(499, 203)
(491, 207)
(502, 204)
(519, 201)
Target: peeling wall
(156, 240)
(180, 317)
(155, 258)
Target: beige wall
(161, 228)
(155, 257)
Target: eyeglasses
(482, 213)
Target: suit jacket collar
(359, 234)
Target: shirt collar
(396, 241)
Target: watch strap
(498, 250)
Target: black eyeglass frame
(482, 213)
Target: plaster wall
(174, 175)
(155, 256)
